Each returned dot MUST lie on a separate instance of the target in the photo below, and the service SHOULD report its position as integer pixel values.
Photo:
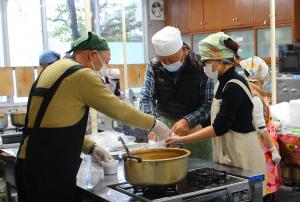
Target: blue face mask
(174, 67)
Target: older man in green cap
(57, 112)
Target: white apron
(240, 150)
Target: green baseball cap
(90, 41)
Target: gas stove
(203, 184)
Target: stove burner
(206, 177)
(203, 182)
(149, 192)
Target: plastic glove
(275, 155)
(173, 140)
(100, 154)
(161, 130)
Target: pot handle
(133, 157)
(139, 159)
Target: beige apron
(240, 150)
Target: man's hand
(181, 127)
(100, 154)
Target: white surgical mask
(208, 71)
(102, 71)
(103, 68)
(174, 67)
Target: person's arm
(95, 94)
(88, 145)
(202, 114)
(260, 126)
(97, 151)
(260, 123)
(200, 135)
(147, 100)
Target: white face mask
(209, 72)
(174, 67)
(102, 70)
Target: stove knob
(246, 196)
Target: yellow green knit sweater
(78, 91)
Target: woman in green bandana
(235, 141)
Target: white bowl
(111, 167)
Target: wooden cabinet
(261, 12)
(204, 15)
(284, 11)
(236, 13)
(177, 14)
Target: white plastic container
(111, 167)
(294, 113)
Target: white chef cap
(167, 41)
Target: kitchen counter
(94, 182)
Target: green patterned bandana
(89, 41)
(213, 47)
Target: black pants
(269, 198)
(36, 186)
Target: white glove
(275, 155)
(161, 130)
(100, 154)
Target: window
(2, 98)
(24, 31)
(33, 28)
(111, 29)
(283, 36)
(65, 23)
(245, 39)
(1, 39)
(196, 39)
(186, 39)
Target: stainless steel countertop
(92, 176)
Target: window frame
(45, 39)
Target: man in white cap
(176, 88)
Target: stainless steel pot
(18, 118)
(158, 166)
(290, 173)
(3, 121)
